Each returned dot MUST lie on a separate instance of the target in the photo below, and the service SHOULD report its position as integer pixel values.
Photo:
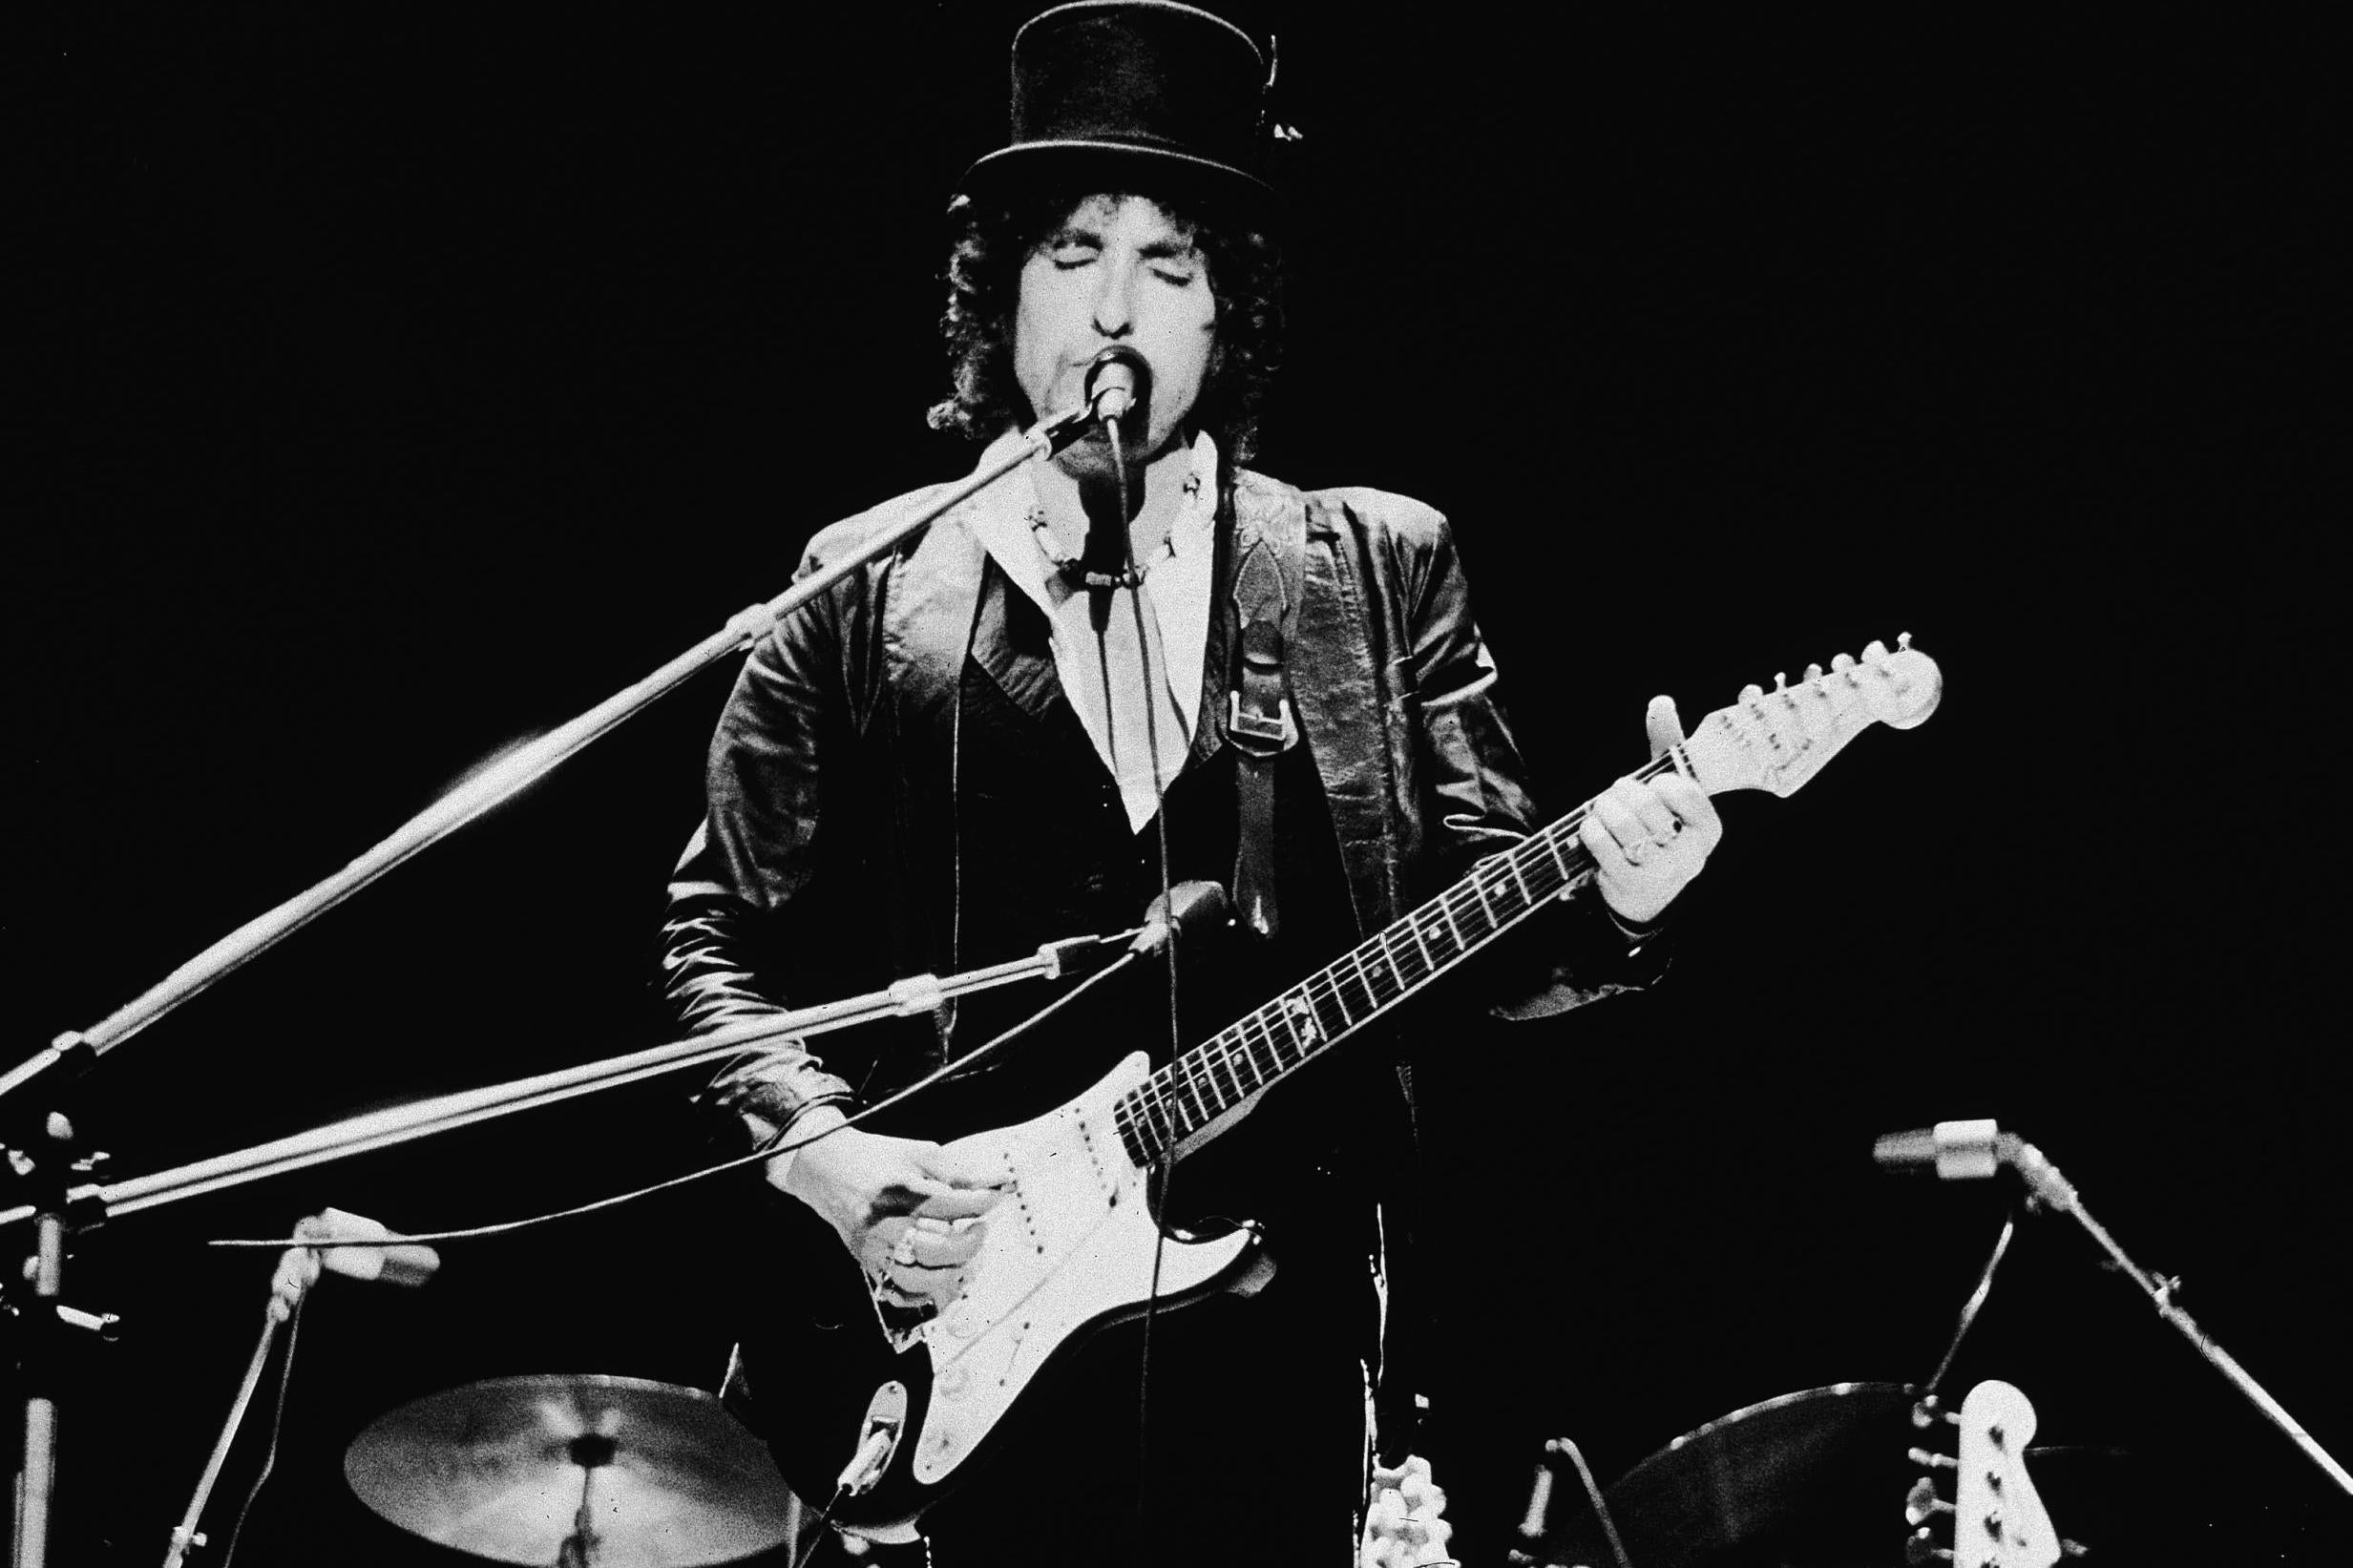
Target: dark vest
(1046, 852)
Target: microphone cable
(782, 1143)
(276, 1426)
(1158, 1177)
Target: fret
(1484, 926)
(1322, 1009)
(1446, 908)
(1250, 1072)
(1340, 978)
(1156, 1120)
(1219, 1053)
(1182, 1074)
(1281, 1010)
(1521, 877)
(1397, 970)
(1306, 1028)
(1479, 890)
(1554, 839)
(1429, 964)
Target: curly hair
(995, 240)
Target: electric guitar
(1999, 1520)
(1070, 1245)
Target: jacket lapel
(946, 598)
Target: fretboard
(1180, 1099)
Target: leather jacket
(832, 781)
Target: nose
(1115, 310)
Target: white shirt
(1143, 725)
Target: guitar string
(1540, 867)
(1159, 1099)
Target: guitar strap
(1271, 551)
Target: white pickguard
(1071, 1241)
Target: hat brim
(1082, 167)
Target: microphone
(1188, 910)
(404, 1262)
(1958, 1151)
(1967, 1151)
(1118, 382)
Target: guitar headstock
(1999, 1520)
(1404, 1519)
(1778, 740)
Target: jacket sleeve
(1480, 803)
(729, 929)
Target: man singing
(1135, 665)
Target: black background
(407, 382)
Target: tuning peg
(1842, 662)
(1921, 1547)
(1927, 1460)
(1813, 671)
(1874, 653)
(1904, 641)
(1780, 683)
(1930, 1411)
(1922, 1503)
(1751, 693)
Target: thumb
(1660, 722)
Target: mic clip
(1083, 955)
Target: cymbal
(1815, 1479)
(510, 1469)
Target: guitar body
(1069, 1249)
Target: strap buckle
(1258, 734)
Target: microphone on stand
(401, 1263)
(1191, 909)
(1968, 1151)
(1118, 391)
(1119, 382)
(1956, 1151)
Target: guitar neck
(1768, 740)
(1183, 1098)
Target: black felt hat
(1132, 96)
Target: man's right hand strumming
(901, 1206)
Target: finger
(936, 1287)
(942, 1201)
(1609, 854)
(1622, 825)
(937, 1245)
(1662, 726)
(1691, 806)
(1658, 820)
(960, 1165)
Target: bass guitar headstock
(1778, 740)
(1998, 1518)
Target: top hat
(1132, 96)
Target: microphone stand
(445, 1113)
(1970, 1150)
(510, 776)
(75, 1052)
(2054, 1191)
